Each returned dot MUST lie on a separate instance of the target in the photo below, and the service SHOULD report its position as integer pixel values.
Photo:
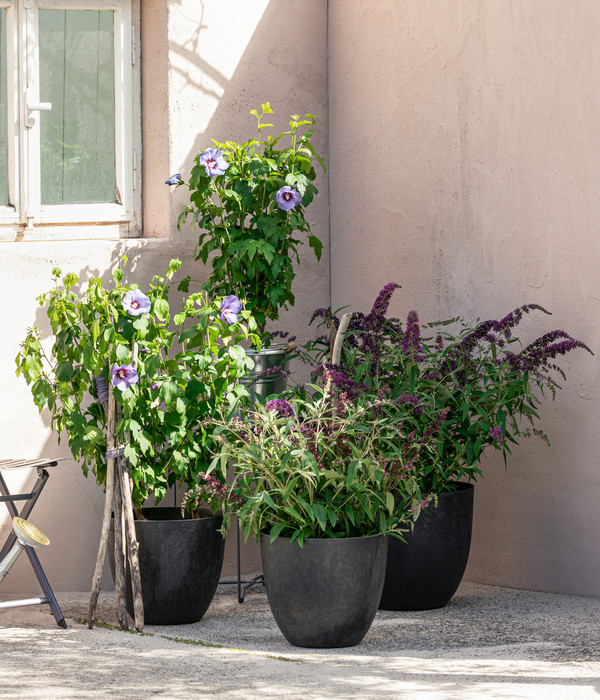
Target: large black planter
(180, 565)
(326, 593)
(425, 571)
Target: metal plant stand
(29, 499)
(262, 382)
(241, 589)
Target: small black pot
(325, 594)
(180, 565)
(425, 571)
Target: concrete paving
(489, 642)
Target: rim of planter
(271, 350)
(165, 511)
(265, 533)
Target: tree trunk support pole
(108, 506)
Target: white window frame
(26, 218)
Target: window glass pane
(78, 134)
(3, 113)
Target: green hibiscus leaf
(161, 309)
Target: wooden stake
(339, 339)
(119, 554)
(108, 505)
(119, 498)
(132, 543)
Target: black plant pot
(180, 565)
(326, 593)
(425, 571)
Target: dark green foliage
(188, 367)
(251, 243)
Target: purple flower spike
(213, 162)
(497, 435)
(287, 198)
(381, 304)
(230, 308)
(123, 376)
(136, 303)
(338, 379)
(174, 179)
(411, 344)
(283, 408)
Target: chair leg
(43, 581)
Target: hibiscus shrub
(169, 375)
(248, 201)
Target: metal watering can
(27, 536)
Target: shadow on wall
(279, 55)
(215, 80)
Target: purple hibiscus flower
(287, 198)
(174, 179)
(136, 303)
(123, 376)
(213, 162)
(230, 308)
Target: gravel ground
(488, 642)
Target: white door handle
(36, 107)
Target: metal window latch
(36, 107)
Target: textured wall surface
(205, 66)
(463, 142)
(464, 166)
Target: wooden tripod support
(118, 502)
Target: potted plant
(164, 376)
(489, 386)
(320, 481)
(249, 203)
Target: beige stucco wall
(205, 65)
(464, 165)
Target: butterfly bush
(322, 465)
(486, 384)
(248, 201)
(169, 373)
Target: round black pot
(326, 593)
(180, 565)
(425, 571)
